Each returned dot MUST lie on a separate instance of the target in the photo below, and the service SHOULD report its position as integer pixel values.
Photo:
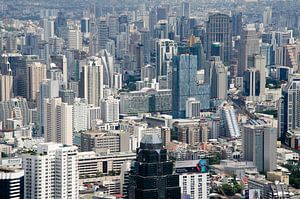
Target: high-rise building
(107, 60)
(91, 81)
(185, 85)
(192, 108)
(6, 87)
(259, 146)
(80, 114)
(74, 38)
(67, 96)
(237, 22)
(251, 83)
(11, 183)
(152, 175)
(36, 73)
(51, 172)
(165, 51)
(249, 46)
(194, 178)
(58, 121)
(103, 33)
(218, 79)
(85, 25)
(288, 115)
(110, 109)
(14, 108)
(185, 9)
(219, 29)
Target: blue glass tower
(185, 85)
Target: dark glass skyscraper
(219, 29)
(152, 174)
(185, 85)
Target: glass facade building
(185, 85)
(152, 175)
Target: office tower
(259, 63)
(218, 79)
(123, 24)
(85, 25)
(165, 135)
(267, 16)
(139, 56)
(21, 70)
(237, 22)
(286, 55)
(252, 83)
(58, 125)
(148, 73)
(91, 81)
(194, 179)
(152, 175)
(49, 88)
(145, 101)
(161, 13)
(288, 114)
(48, 27)
(6, 87)
(74, 38)
(59, 61)
(165, 51)
(185, 85)
(105, 141)
(14, 108)
(152, 20)
(103, 33)
(122, 45)
(194, 48)
(67, 96)
(259, 146)
(192, 108)
(36, 73)
(113, 26)
(185, 9)
(248, 47)
(11, 183)
(61, 26)
(219, 29)
(268, 51)
(51, 172)
(93, 34)
(107, 60)
(161, 29)
(110, 109)
(146, 42)
(80, 114)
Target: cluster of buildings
(149, 99)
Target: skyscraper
(248, 47)
(259, 146)
(289, 106)
(218, 79)
(110, 109)
(91, 81)
(185, 85)
(58, 121)
(103, 33)
(219, 29)
(6, 87)
(51, 172)
(11, 183)
(165, 51)
(36, 73)
(185, 9)
(152, 175)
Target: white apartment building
(58, 121)
(110, 109)
(51, 172)
(193, 179)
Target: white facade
(51, 172)
(193, 108)
(80, 114)
(92, 81)
(110, 109)
(58, 121)
(74, 39)
(196, 185)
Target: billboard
(254, 194)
